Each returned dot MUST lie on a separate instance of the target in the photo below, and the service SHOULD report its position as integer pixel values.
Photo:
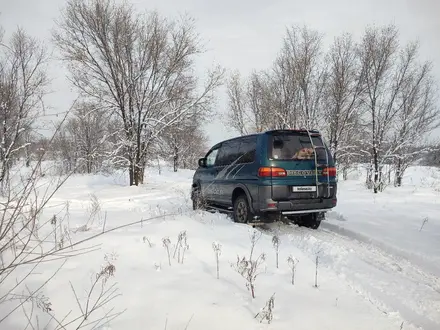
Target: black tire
(312, 221)
(241, 211)
(197, 201)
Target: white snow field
(377, 269)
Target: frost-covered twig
(425, 220)
(94, 210)
(316, 271)
(276, 241)
(255, 236)
(145, 238)
(181, 244)
(266, 312)
(97, 297)
(249, 269)
(217, 247)
(166, 244)
(292, 261)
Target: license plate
(304, 188)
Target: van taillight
(330, 170)
(271, 172)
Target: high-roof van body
(265, 176)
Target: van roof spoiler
(296, 130)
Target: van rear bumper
(298, 206)
(292, 206)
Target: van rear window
(294, 146)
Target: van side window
(248, 147)
(210, 158)
(228, 153)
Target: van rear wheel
(242, 212)
(312, 221)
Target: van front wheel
(241, 212)
(197, 200)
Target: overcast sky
(247, 34)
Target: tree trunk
(176, 158)
(89, 164)
(369, 179)
(141, 174)
(376, 170)
(136, 175)
(399, 173)
(28, 156)
(3, 171)
(381, 179)
(335, 153)
(389, 174)
(131, 173)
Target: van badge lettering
(303, 173)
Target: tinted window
(295, 146)
(247, 150)
(210, 158)
(229, 152)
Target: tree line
(373, 98)
(139, 94)
(140, 98)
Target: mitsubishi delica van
(275, 175)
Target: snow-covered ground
(376, 269)
(394, 218)
(394, 242)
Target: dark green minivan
(274, 175)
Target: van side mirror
(202, 162)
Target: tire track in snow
(420, 260)
(390, 282)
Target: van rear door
(291, 152)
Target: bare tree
(23, 83)
(372, 99)
(396, 88)
(418, 115)
(23, 245)
(197, 147)
(24, 237)
(287, 96)
(63, 150)
(342, 98)
(385, 73)
(88, 134)
(250, 102)
(183, 143)
(238, 116)
(432, 157)
(139, 67)
(300, 65)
